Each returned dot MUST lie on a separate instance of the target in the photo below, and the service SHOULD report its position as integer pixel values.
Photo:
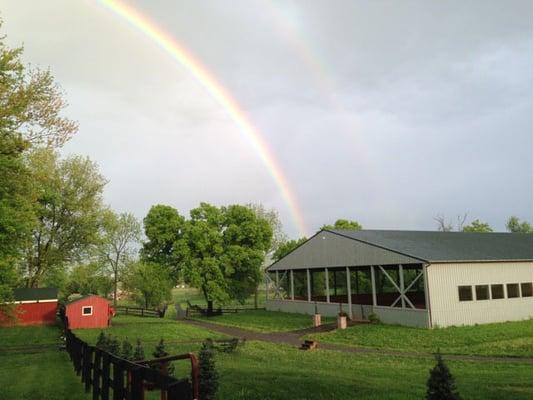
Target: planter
(317, 320)
(341, 322)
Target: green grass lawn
(265, 321)
(179, 336)
(504, 339)
(267, 371)
(43, 375)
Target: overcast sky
(387, 112)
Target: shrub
(113, 346)
(126, 351)
(208, 372)
(102, 342)
(138, 353)
(441, 384)
(159, 352)
(373, 318)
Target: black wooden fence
(111, 377)
(196, 310)
(143, 312)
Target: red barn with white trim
(33, 306)
(89, 312)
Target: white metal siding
(447, 310)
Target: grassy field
(261, 370)
(270, 371)
(46, 374)
(505, 339)
(265, 321)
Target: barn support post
(277, 285)
(402, 284)
(349, 292)
(326, 277)
(373, 279)
(292, 284)
(308, 285)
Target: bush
(102, 342)
(373, 318)
(138, 354)
(126, 351)
(208, 372)
(441, 384)
(160, 352)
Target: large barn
(414, 278)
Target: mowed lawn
(261, 370)
(265, 321)
(44, 374)
(513, 339)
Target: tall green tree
(120, 235)
(477, 226)
(514, 225)
(149, 283)
(287, 247)
(30, 107)
(68, 209)
(165, 245)
(89, 278)
(344, 224)
(225, 250)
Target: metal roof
(27, 294)
(448, 246)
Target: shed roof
(433, 246)
(75, 300)
(27, 294)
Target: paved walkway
(294, 338)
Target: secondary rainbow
(221, 95)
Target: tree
(68, 209)
(121, 232)
(441, 384)
(344, 224)
(208, 372)
(149, 283)
(446, 226)
(225, 250)
(272, 216)
(287, 247)
(126, 350)
(477, 226)
(138, 353)
(160, 352)
(88, 279)
(163, 227)
(514, 225)
(30, 106)
(31, 102)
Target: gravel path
(294, 338)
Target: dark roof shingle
(449, 246)
(28, 294)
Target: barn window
(496, 291)
(512, 290)
(527, 289)
(465, 293)
(87, 310)
(482, 292)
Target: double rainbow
(165, 41)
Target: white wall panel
(447, 310)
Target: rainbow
(170, 45)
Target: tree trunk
(115, 290)
(209, 307)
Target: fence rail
(143, 312)
(195, 310)
(104, 374)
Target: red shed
(89, 312)
(34, 306)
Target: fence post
(142, 312)
(97, 372)
(104, 391)
(137, 387)
(88, 360)
(83, 354)
(118, 380)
